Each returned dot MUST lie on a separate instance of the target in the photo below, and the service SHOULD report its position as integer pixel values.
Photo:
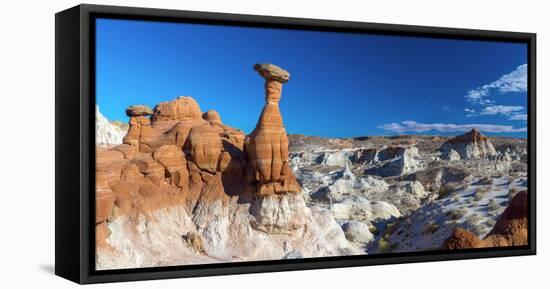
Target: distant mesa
(471, 145)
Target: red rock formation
(138, 119)
(182, 108)
(462, 239)
(511, 229)
(173, 158)
(512, 226)
(205, 146)
(212, 116)
(473, 136)
(174, 155)
(267, 145)
(469, 145)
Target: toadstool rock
(267, 145)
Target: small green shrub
(383, 245)
(447, 189)
(374, 230)
(431, 228)
(474, 219)
(456, 214)
(486, 180)
(479, 194)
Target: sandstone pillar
(267, 145)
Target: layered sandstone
(267, 145)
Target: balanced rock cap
(138, 110)
(272, 72)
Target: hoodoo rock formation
(471, 145)
(182, 178)
(267, 145)
(511, 229)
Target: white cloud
(500, 109)
(446, 108)
(515, 81)
(470, 112)
(518, 116)
(413, 126)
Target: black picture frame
(75, 143)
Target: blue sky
(341, 85)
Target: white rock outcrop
(357, 232)
(107, 134)
(396, 161)
(471, 145)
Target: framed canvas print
(194, 144)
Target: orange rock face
(182, 108)
(174, 155)
(267, 145)
(205, 146)
(462, 239)
(212, 116)
(512, 226)
(511, 229)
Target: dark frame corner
(74, 88)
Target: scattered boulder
(453, 155)
(357, 232)
(360, 209)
